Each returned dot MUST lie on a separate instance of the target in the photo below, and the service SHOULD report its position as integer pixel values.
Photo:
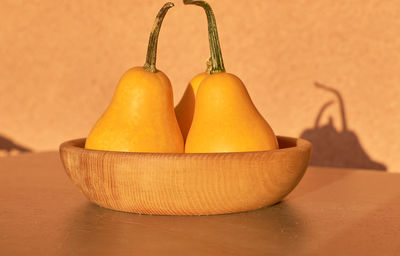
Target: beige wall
(61, 60)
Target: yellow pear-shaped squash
(141, 115)
(185, 108)
(225, 119)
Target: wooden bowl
(186, 184)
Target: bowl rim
(301, 144)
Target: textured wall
(61, 60)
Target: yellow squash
(225, 119)
(141, 115)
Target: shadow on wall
(333, 148)
(8, 147)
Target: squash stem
(217, 63)
(151, 57)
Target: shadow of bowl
(186, 184)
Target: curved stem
(217, 63)
(151, 57)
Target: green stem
(151, 56)
(217, 63)
(209, 66)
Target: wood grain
(186, 184)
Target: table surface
(331, 212)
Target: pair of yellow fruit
(215, 113)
